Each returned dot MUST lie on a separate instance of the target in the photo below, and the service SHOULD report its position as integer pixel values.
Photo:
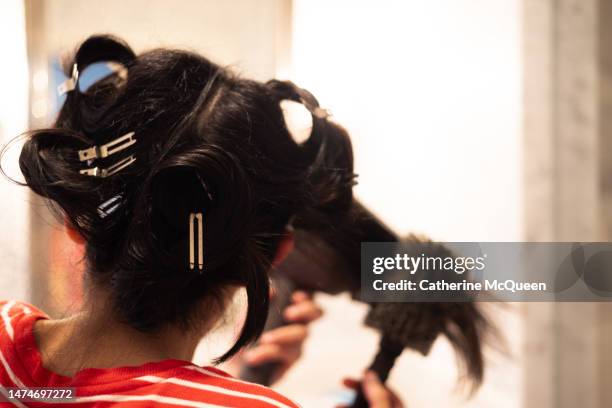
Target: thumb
(375, 392)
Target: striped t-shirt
(168, 383)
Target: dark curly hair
(206, 141)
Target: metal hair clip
(193, 217)
(109, 206)
(321, 113)
(105, 150)
(71, 83)
(312, 105)
(120, 165)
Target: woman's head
(200, 140)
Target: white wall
(431, 94)
(241, 32)
(430, 91)
(14, 232)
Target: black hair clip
(109, 206)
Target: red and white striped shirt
(168, 383)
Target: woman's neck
(93, 339)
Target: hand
(284, 344)
(377, 395)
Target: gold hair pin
(195, 221)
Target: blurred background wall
(432, 90)
(471, 120)
(567, 183)
(14, 210)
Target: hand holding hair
(376, 394)
(283, 345)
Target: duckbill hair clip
(71, 83)
(105, 150)
(195, 222)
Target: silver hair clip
(105, 150)
(71, 83)
(317, 111)
(310, 103)
(109, 206)
(321, 113)
(120, 165)
(193, 217)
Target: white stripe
(213, 388)
(232, 379)
(7, 320)
(13, 378)
(10, 372)
(225, 377)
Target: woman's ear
(285, 246)
(72, 233)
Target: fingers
(377, 395)
(375, 392)
(293, 334)
(351, 383)
(300, 296)
(395, 401)
(284, 344)
(303, 309)
(265, 353)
